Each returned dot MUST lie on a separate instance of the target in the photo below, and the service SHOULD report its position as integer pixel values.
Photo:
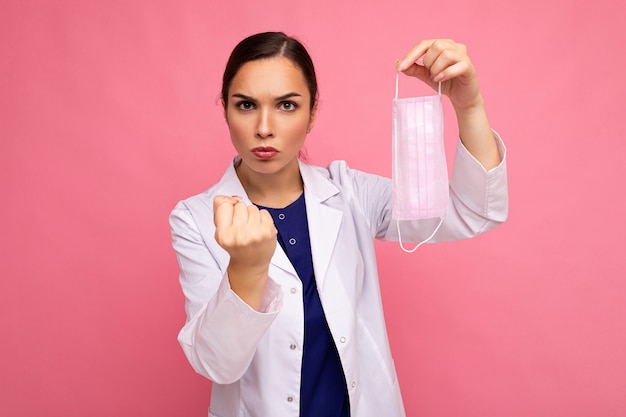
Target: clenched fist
(249, 236)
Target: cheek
(299, 127)
(236, 127)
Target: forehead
(275, 76)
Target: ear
(313, 117)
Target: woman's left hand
(445, 61)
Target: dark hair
(268, 45)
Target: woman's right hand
(249, 236)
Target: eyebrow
(279, 98)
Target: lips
(265, 152)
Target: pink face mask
(419, 171)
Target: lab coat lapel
(323, 221)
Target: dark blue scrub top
(323, 390)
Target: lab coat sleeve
(221, 333)
(478, 202)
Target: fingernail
(438, 78)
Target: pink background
(109, 116)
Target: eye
(245, 105)
(288, 106)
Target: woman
(297, 328)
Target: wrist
(248, 282)
(247, 276)
(470, 107)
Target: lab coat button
(292, 241)
(290, 399)
(292, 346)
(342, 339)
(353, 384)
(293, 291)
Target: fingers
(240, 213)
(411, 57)
(446, 61)
(265, 217)
(239, 225)
(229, 211)
(455, 70)
(250, 216)
(223, 209)
(440, 59)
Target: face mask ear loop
(419, 244)
(397, 77)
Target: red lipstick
(265, 152)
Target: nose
(264, 126)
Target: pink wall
(108, 117)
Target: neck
(275, 190)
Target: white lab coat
(254, 358)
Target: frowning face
(269, 115)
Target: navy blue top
(323, 390)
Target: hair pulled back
(268, 45)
